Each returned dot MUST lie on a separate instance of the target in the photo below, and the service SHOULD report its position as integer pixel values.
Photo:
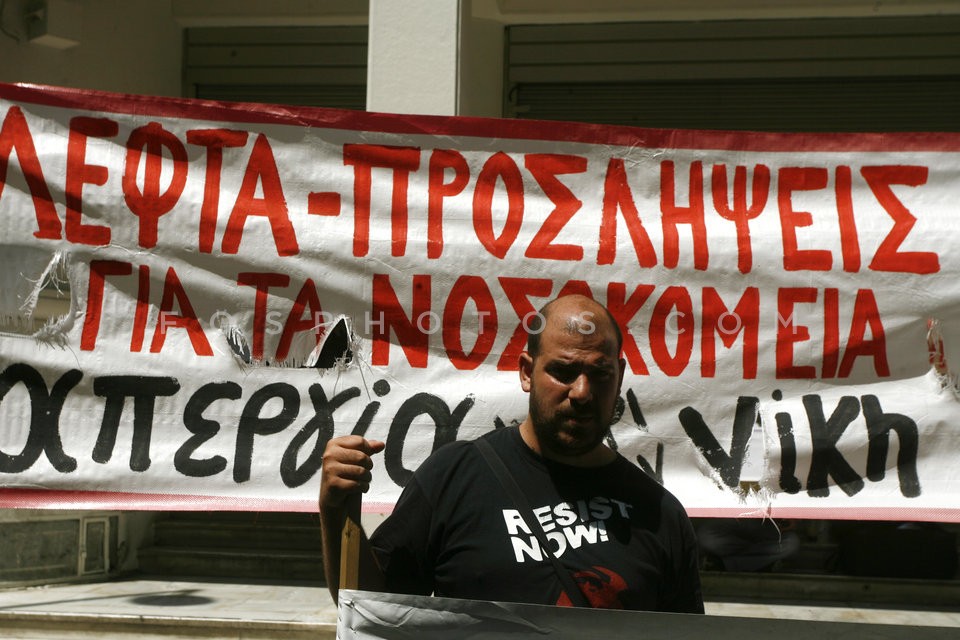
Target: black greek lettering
(879, 426)
(447, 425)
(789, 482)
(825, 459)
(654, 472)
(203, 429)
(727, 465)
(45, 408)
(252, 424)
(115, 390)
(321, 424)
(381, 388)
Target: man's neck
(596, 457)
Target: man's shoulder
(642, 483)
(502, 437)
(454, 467)
(448, 456)
(458, 452)
(458, 449)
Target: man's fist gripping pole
(345, 476)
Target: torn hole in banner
(755, 486)
(333, 347)
(938, 356)
(238, 343)
(40, 305)
(336, 349)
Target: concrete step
(237, 535)
(264, 564)
(148, 608)
(268, 546)
(55, 626)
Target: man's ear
(623, 369)
(526, 371)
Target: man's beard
(548, 430)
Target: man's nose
(580, 391)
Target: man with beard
(456, 532)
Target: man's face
(573, 383)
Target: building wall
(134, 46)
(129, 46)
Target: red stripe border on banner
(475, 127)
(118, 501)
(121, 501)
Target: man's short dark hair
(536, 324)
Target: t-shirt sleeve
(401, 542)
(686, 595)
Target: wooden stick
(350, 537)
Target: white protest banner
(779, 294)
(366, 615)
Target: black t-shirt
(455, 532)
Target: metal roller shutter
(868, 74)
(314, 66)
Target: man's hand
(346, 469)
